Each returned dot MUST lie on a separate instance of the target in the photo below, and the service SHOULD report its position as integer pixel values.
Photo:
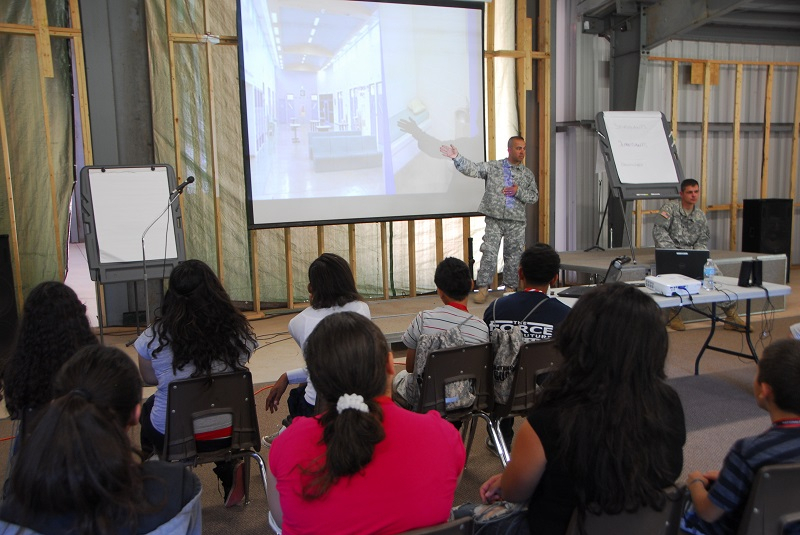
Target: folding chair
(773, 500)
(536, 359)
(228, 396)
(461, 526)
(643, 520)
(470, 362)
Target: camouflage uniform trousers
(513, 233)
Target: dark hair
(512, 138)
(689, 182)
(54, 325)
(199, 323)
(780, 369)
(612, 401)
(346, 354)
(453, 278)
(331, 282)
(79, 460)
(539, 263)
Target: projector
(672, 284)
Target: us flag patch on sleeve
(665, 215)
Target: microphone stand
(173, 196)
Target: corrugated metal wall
(591, 57)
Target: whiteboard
(640, 154)
(118, 205)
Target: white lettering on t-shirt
(531, 330)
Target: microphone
(620, 261)
(183, 184)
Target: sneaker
(481, 296)
(492, 448)
(236, 494)
(266, 440)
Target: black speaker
(767, 227)
(8, 304)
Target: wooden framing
(709, 67)
(737, 124)
(544, 86)
(795, 136)
(254, 270)
(767, 122)
(704, 144)
(523, 55)
(287, 247)
(12, 214)
(212, 119)
(42, 32)
(412, 260)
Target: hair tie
(351, 401)
(82, 393)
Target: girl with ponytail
(364, 465)
(79, 475)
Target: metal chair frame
(470, 362)
(534, 361)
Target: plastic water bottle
(708, 275)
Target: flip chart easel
(640, 158)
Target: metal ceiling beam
(670, 19)
(754, 36)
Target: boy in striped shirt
(719, 497)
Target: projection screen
(345, 104)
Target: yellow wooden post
(384, 260)
(287, 244)
(767, 123)
(737, 123)
(412, 260)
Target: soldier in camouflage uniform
(680, 224)
(509, 187)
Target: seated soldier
(682, 225)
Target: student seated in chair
(531, 309)
(451, 324)
(719, 497)
(79, 473)
(199, 333)
(606, 432)
(365, 465)
(331, 289)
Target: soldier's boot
(676, 323)
(733, 321)
(481, 296)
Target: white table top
(727, 289)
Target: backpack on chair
(458, 393)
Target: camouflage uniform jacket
(676, 229)
(494, 203)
